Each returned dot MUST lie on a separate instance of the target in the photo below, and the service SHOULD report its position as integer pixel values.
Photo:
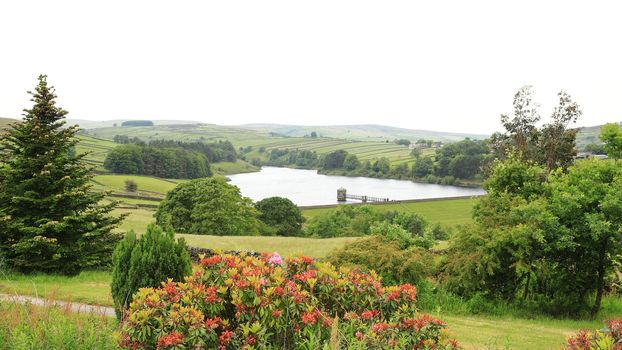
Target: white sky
(437, 65)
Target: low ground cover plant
(245, 302)
(608, 338)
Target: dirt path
(75, 307)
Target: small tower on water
(341, 195)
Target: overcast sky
(437, 65)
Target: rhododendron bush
(244, 302)
(609, 338)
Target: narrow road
(75, 307)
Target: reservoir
(307, 187)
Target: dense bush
(145, 262)
(385, 256)
(345, 220)
(265, 303)
(208, 206)
(348, 220)
(280, 214)
(609, 338)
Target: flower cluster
(609, 338)
(267, 302)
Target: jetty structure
(343, 196)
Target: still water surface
(307, 187)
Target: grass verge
(25, 327)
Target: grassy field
(147, 185)
(484, 332)
(286, 246)
(447, 212)
(90, 287)
(96, 148)
(243, 137)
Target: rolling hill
(362, 132)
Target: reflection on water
(307, 187)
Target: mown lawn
(447, 212)
(286, 246)
(484, 332)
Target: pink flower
(276, 259)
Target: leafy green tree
(611, 135)
(335, 159)
(281, 214)
(401, 170)
(147, 261)
(554, 240)
(50, 219)
(588, 244)
(557, 142)
(208, 206)
(423, 167)
(382, 165)
(351, 162)
(551, 146)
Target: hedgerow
(244, 302)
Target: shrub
(265, 303)
(609, 338)
(145, 262)
(131, 186)
(386, 257)
(281, 214)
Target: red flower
(174, 338)
(359, 335)
(225, 338)
(276, 313)
(369, 314)
(212, 323)
(379, 327)
(212, 260)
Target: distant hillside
(362, 132)
(4, 122)
(589, 134)
(90, 124)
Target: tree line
(167, 158)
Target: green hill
(260, 139)
(363, 132)
(4, 122)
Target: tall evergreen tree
(50, 219)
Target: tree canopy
(208, 206)
(551, 239)
(281, 214)
(552, 145)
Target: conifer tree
(50, 219)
